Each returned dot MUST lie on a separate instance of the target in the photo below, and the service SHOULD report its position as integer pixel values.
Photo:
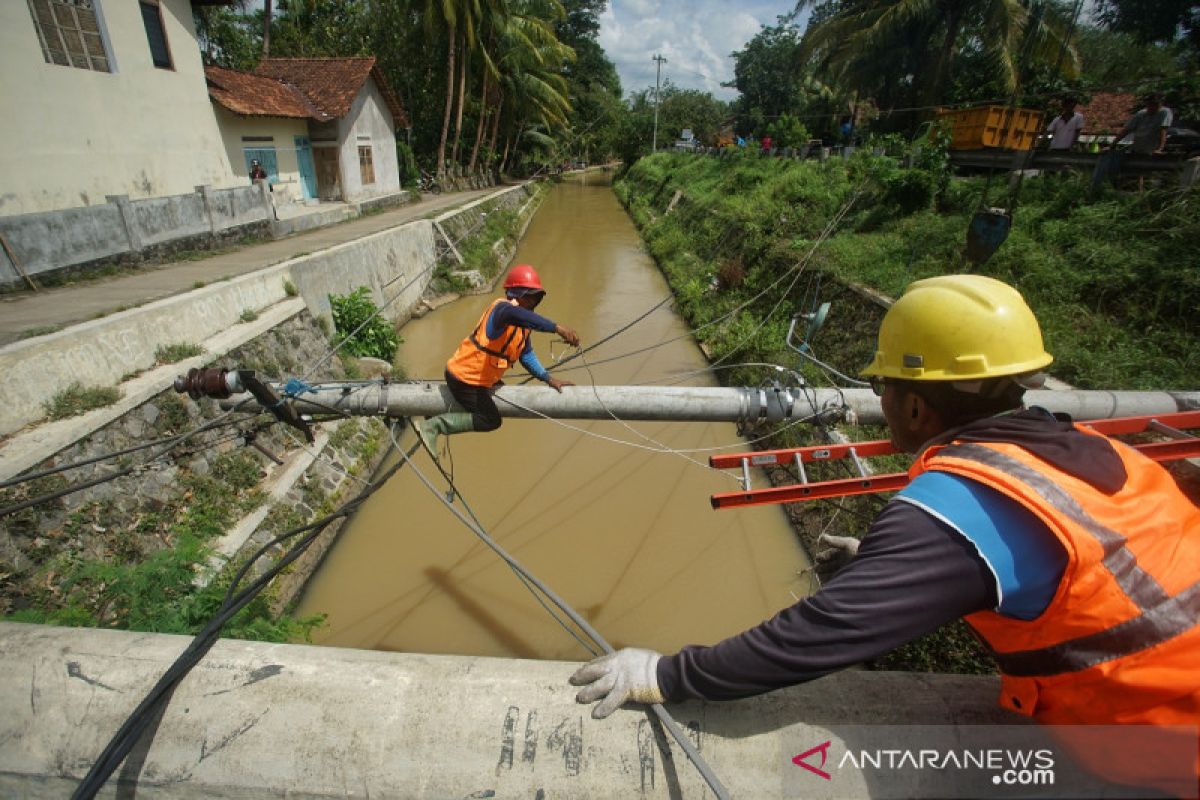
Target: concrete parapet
(265, 720)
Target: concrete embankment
(274, 321)
(261, 720)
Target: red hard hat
(523, 276)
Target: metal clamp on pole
(220, 384)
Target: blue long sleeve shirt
(506, 314)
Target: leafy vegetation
(360, 330)
(95, 570)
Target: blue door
(308, 172)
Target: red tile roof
(257, 96)
(1107, 112)
(308, 88)
(331, 84)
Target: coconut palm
(525, 75)
(883, 47)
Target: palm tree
(880, 47)
(524, 75)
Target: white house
(103, 97)
(321, 127)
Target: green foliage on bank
(97, 571)
(360, 330)
(1112, 279)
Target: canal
(603, 512)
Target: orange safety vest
(481, 361)
(1120, 641)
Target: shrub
(360, 329)
(909, 191)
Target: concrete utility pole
(690, 403)
(657, 75)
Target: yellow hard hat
(958, 328)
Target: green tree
(1163, 21)
(677, 109)
(228, 37)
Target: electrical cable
(664, 717)
(530, 587)
(579, 353)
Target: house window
(366, 166)
(156, 35)
(69, 32)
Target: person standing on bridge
(1074, 558)
(500, 339)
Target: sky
(695, 36)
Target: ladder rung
(1166, 430)
(858, 463)
(800, 469)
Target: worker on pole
(1074, 558)
(500, 339)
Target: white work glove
(841, 549)
(629, 675)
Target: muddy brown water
(623, 533)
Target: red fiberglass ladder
(1179, 445)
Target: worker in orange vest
(501, 338)
(1075, 558)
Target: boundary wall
(124, 230)
(272, 720)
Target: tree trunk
(462, 98)
(483, 109)
(504, 160)
(267, 29)
(953, 16)
(441, 158)
(496, 128)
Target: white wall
(70, 136)
(369, 117)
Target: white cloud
(696, 37)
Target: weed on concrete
(78, 399)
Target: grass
(78, 399)
(172, 353)
(41, 330)
(248, 315)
